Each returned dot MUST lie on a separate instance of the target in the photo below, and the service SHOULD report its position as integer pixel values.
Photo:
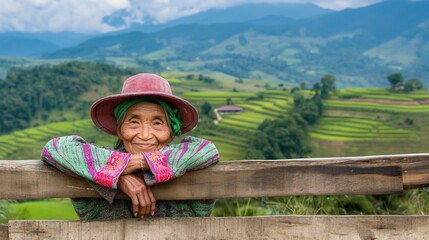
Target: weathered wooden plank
(4, 234)
(32, 179)
(274, 227)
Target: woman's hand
(137, 162)
(142, 198)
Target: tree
(298, 100)
(239, 80)
(327, 86)
(242, 40)
(316, 89)
(285, 137)
(395, 80)
(267, 86)
(206, 79)
(412, 85)
(206, 108)
(310, 109)
(30, 95)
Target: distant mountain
(360, 46)
(383, 20)
(235, 14)
(33, 44)
(24, 47)
(248, 12)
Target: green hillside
(347, 127)
(355, 122)
(360, 46)
(344, 130)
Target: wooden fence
(31, 179)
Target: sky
(87, 16)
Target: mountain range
(359, 46)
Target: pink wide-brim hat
(143, 85)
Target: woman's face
(145, 128)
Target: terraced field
(355, 126)
(348, 128)
(27, 143)
(230, 147)
(358, 129)
(351, 128)
(383, 93)
(257, 107)
(256, 111)
(219, 98)
(376, 107)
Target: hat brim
(104, 119)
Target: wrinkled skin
(144, 128)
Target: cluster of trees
(311, 107)
(32, 95)
(205, 79)
(287, 137)
(397, 83)
(281, 138)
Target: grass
(50, 209)
(350, 129)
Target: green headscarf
(173, 115)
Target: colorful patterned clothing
(102, 168)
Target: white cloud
(341, 4)
(57, 15)
(86, 16)
(166, 10)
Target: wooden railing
(31, 179)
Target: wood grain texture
(274, 227)
(32, 179)
(4, 234)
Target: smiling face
(145, 128)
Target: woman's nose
(145, 131)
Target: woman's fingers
(142, 198)
(142, 208)
(153, 201)
(136, 205)
(147, 203)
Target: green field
(51, 209)
(347, 128)
(345, 123)
(376, 107)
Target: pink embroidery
(108, 174)
(159, 166)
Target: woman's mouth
(146, 146)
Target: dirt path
(218, 116)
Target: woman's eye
(157, 122)
(133, 121)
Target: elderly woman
(145, 117)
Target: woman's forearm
(137, 162)
(74, 156)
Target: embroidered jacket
(102, 168)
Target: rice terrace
(310, 119)
(355, 122)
